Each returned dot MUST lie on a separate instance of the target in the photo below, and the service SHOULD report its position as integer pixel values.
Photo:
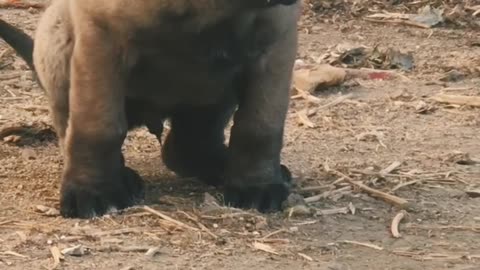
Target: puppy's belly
(173, 81)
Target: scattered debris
(264, 247)
(335, 211)
(116, 248)
(461, 158)
(392, 199)
(427, 256)
(396, 222)
(303, 115)
(28, 134)
(446, 227)
(209, 200)
(57, 257)
(47, 211)
(355, 57)
(391, 168)
(169, 219)
(427, 17)
(306, 257)
(22, 236)
(12, 139)
(473, 101)
(10, 75)
(370, 136)
(20, 4)
(76, 251)
(368, 245)
(152, 252)
(352, 208)
(473, 193)
(299, 210)
(263, 239)
(374, 74)
(13, 253)
(294, 199)
(423, 108)
(112, 232)
(199, 224)
(395, 59)
(304, 120)
(28, 154)
(452, 76)
(321, 76)
(332, 103)
(347, 55)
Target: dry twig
(401, 22)
(332, 103)
(117, 232)
(446, 227)
(264, 247)
(13, 253)
(458, 100)
(392, 199)
(167, 218)
(199, 224)
(422, 256)
(306, 257)
(368, 245)
(57, 257)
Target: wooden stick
(199, 224)
(458, 100)
(368, 245)
(167, 218)
(392, 199)
(404, 22)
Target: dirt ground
(382, 122)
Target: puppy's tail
(19, 41)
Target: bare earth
(380, 124)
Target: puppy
(109, 66)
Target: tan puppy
(108, 66)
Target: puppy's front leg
(254, 176)
(95, 178)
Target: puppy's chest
(192, 69)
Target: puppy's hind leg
(195, 145)
(51, 58)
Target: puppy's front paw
(265, 197)
(87, 198)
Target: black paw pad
(264, 197)
(95, 197)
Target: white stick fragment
(306, 257)
(152, 252)
(368, 245)
(391, 168)
(76, 251)
(264, 247)
(396, 222)
(473, 101)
